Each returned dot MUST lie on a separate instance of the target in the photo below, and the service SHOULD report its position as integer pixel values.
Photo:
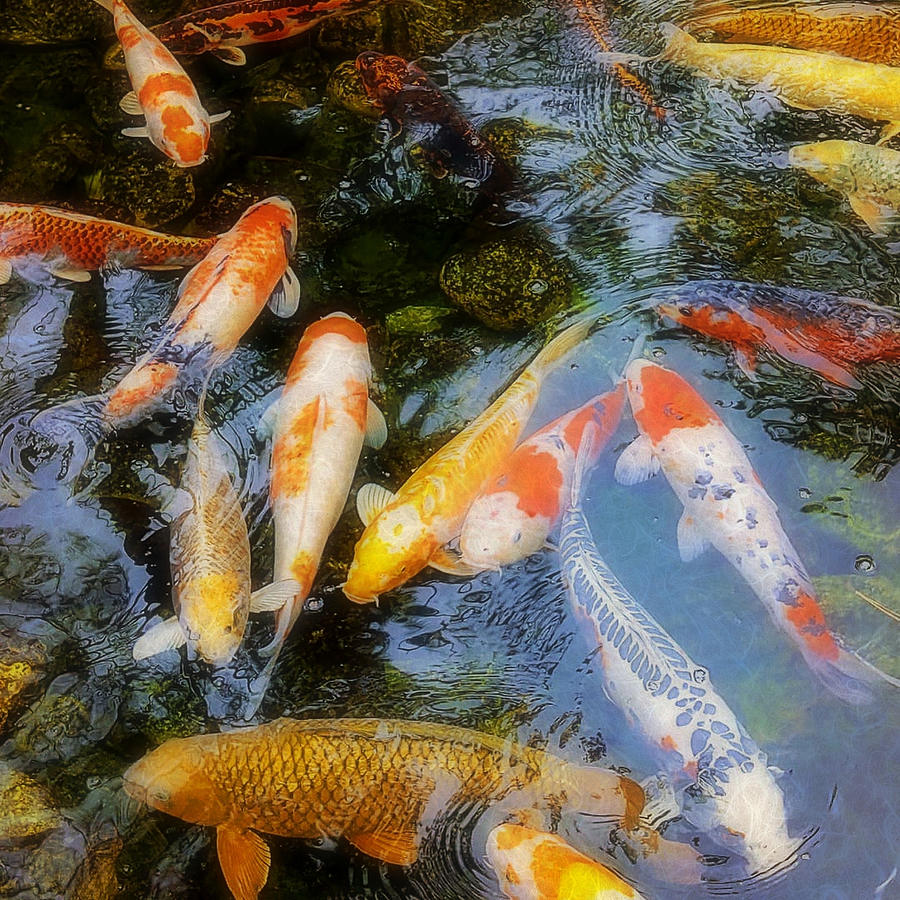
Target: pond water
(614, 206)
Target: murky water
(624, 206)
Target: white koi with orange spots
(322, 420)
(176, 121)
(725, 505)
(672, 703)
(537, 865)
(514, 515)
(408, 530)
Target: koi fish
(671, 702)
(72, 246)
(210, 563)
(823, 332)
(800, 78)
(537, 865)
(726, 505)
(322, 418)
(367, 780)
(413, 102)
(866, 174)
(408, 530)
(514, 515)
(864, 31)
(176, 121)
(221, 30)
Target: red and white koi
(322, 419)
(726, 505)
(163, 93)
(514, 515)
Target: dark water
(625, 206)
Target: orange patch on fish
(808, 619)
(163, 83)
(536, 481)
(341, 325)
(129, 37)
(356, 401)
(291, 453)
(151, 379)
(668, 743)
(303, 570)
(178, 125)
(669, 402)
(509, 838)
(559, 870)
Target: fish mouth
(134, 790)
(357, 599)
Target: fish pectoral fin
(233, 56)
(376, 427)
(637, 462)
(138, 132)
(285, 299)
(397, 847)
(745, 360)
(171, 268)
(267, 421)
(244, 857)
(168, 635)
(892, 129)
(878, 217)
(71, 274)
(691, 542)
(131, 105)
(451, 562)
(5, 270)
(371, 499)
(273, 596)
(219, 117)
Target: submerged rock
(26, 807)
(508, 284)
(345, 89)
(22, 664)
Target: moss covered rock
(22, 665)
(26, 807)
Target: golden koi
(866, 174)
(323, 416)
(408, 530)
(176, 121)
(800, 78)
(72, 245)
(367, 780)
(513, 516)
(726, 505)
(537, 865)
(210, 562)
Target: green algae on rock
(26, 807)
(508, 283)
(22, 664)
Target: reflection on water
(656, 221)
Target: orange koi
(725, 505)
(513, 516)
(176, 121)
(408, 530)
(72, 245)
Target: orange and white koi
(537, 865)
(514, 515)
(323, 417)
(408, 530)
(726, 505)
(72, 245)
(210, 562)
(164, 94)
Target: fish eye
(517, 537)
(228, 629)
(685, 310)
(160, 795)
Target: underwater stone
(508, 284)
(345, 89)
(416, 319)
(21, 668)
(26, 807)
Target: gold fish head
(606, 794)
(214, 624)
(172, 779)
(820, 156)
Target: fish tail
(284, 622)
(849, 676)
(677, 40)
(583, 460)
(559, 347)
(106, 4)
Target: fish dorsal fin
(637, 462)
(397, 847)
(273, 596)
(131, 105)
(5, 270)
(691, 542)
(450, 561)
(138, 132)
(167, 635)
(877, 216)
(219, 117)
(233, 56)
(245, 858)
(285, 299)
(376, 427)
(371, 499)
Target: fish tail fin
(52, 447)
(677, 41)
(106, 4)
(284, 622)
(558, 347)
(849, 676)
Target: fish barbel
(176, 121)
(71, 245)
(367, 780)
(867, 175)
(725, 505)
(827, 333)
(407, 531)
(514, 514)
(672, 703)
(800, 78)
(537, 865)
(865, 31)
